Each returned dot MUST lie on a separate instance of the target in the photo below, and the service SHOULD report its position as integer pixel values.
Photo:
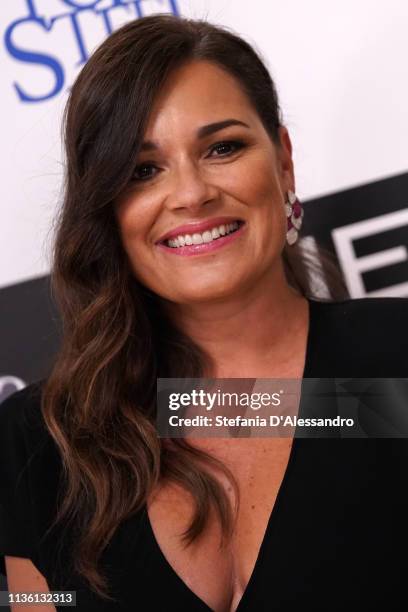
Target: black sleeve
(17, 530)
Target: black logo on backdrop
(367, 228)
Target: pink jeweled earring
(294, 214)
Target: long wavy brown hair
(99, 401)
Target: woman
(176, 256)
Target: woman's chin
(202, 294)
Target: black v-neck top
(338, 532)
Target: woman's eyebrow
(202, 132)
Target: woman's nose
(190, 188)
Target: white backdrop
(340, 69)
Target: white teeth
(197, 239)
(206, 236)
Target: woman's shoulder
(364, 304)
(27, 396)
(373, 313)
(24, 437)
(27, 449)
(21, 412)
(371, 307)
(362, 337)
(30, 473)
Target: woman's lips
(205, 247)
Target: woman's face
(207, 162)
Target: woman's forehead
(198, 94)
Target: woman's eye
(140, 174)
(227, 147)
(224, 149)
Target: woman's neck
(242, 332)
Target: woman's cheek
(256, 182)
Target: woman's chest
(219, 575)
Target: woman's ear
(284, 154)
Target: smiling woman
(177, 255)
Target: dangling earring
(294, 214)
